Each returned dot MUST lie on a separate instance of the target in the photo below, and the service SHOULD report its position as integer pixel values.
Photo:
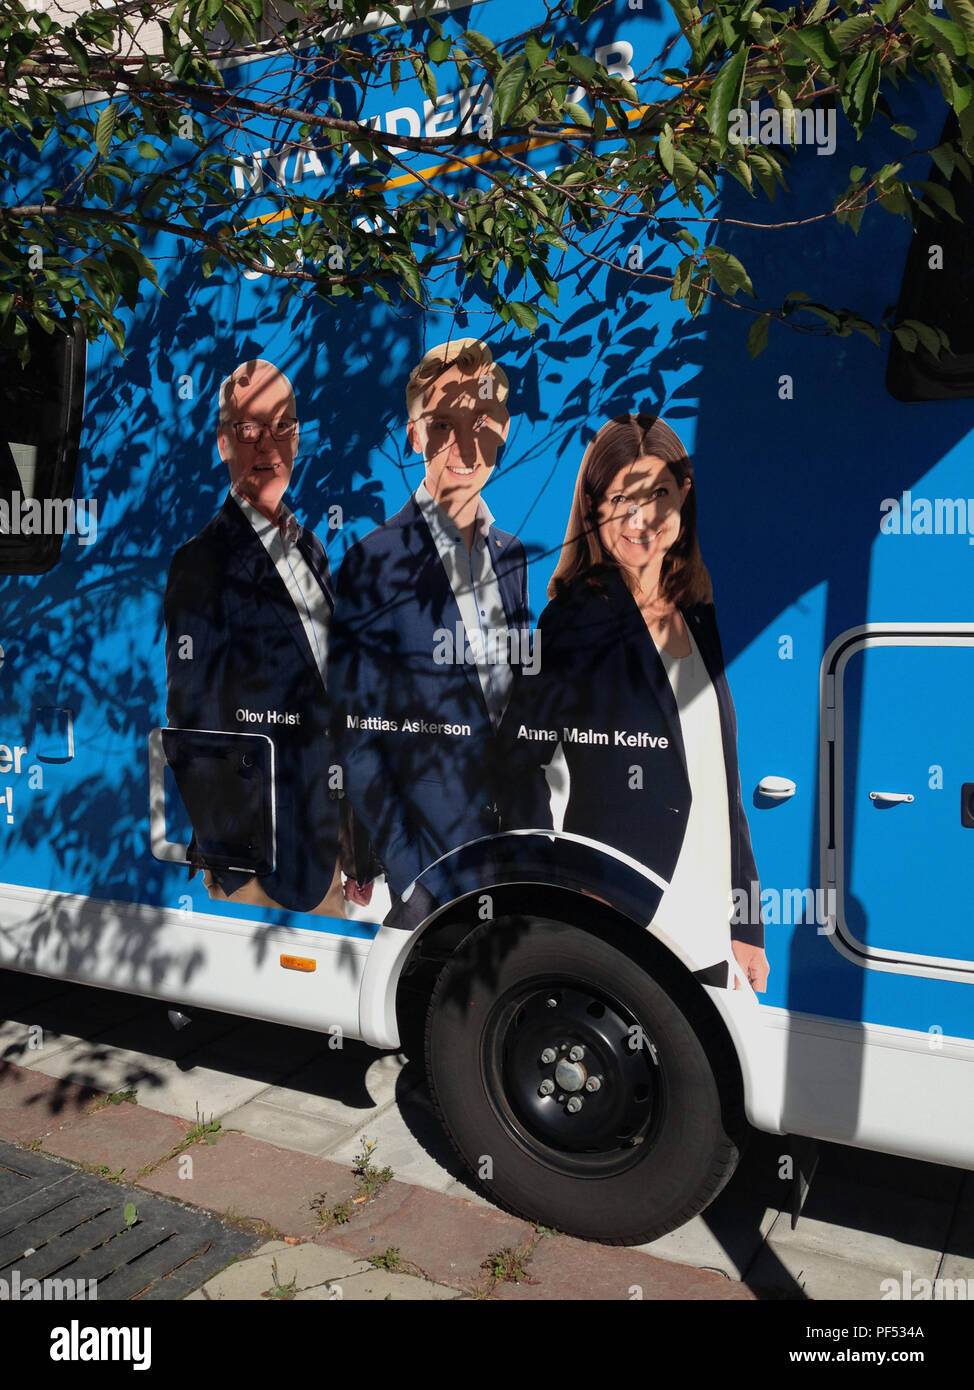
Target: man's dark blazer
(600, 672)
(250, 652)
(422, 793)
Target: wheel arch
(402, 966)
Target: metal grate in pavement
(58, 1223)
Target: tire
(643, 1152)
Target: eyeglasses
(249, 433)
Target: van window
(938, 289)
(40, 428)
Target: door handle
(776, 788)
(890, 798)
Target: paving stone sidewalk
(293, 1111)
(331, 1232)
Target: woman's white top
(696, 907)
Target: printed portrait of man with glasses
(248, 611)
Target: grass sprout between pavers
(113, 1098)
(277, 1288)
(204, 1131)
(510, 1265)
(368, 1181)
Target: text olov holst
(621, 738)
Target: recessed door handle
(890, 798)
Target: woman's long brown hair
(684, 580)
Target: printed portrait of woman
(632, 699)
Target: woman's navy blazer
(602, 692)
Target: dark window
(40, 428)
(942, 297)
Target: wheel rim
(544, 1045)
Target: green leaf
(944, 158)
(856, 173)
(578, 113)
(962, 89)
(148, 151)
(534, 201)
(906, 338)
(697, 296)
(507, 88)
(893, 199)
(941, 69)
(928, 336)
(906, 131)
(584, 67)
(104, 127)
(817, 44)
(689, 19)
(757, 338)
(948, 37)
(484, 49)
(408, 272)
(763, 171)
(543, 280)
(941, 196)
(860, 88)
(142, 265)
(962, 13)
(439, 50)
(728, 271)
(536, 51)
(665, 147)
(685, 174)
(523, 315)
(725, 95)
(887, 172)
(424, 72)
(118, 171)
(75, 51)
(682, 277)
(845, 34)
(129, 1213)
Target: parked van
(455, 751)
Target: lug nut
(546, 1088)
(574, 1105)
(576, 1054)
(548, 1055)
(551, 1003)
(594, 1083)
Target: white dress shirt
(474, 583)
(697, 905)
(307, 595)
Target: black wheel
(572, 1085)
